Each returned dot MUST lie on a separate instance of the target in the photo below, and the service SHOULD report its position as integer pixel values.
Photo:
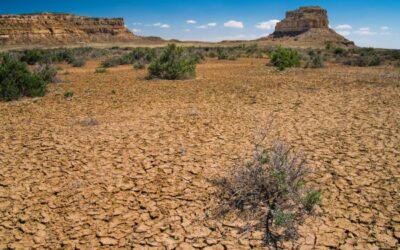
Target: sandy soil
(139, 178)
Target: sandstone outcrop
(302, 20)
(60, 29)
(308, 25)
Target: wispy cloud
(136, 30)
(267, 25)
(191, 21)
(343, 27)
(385, 31)
(206, 26)
(187, 30)
(365, 31)
(137, 24)
(344, 32)
(162, 25)
(234, 24)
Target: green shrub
(139, 64)
(47, 72)
(311, 199)
(316, 59)
(111, 62)
(16, 81)
(144, 54)
(212, 54)
(395, 54)
(232, 57)
(363, 61)
(339, 51)
(68, 94)
(222, 54)
(34, 56)
(268, 192)
(173, 63)
(100, 70)
(283, 58)
(78, 62)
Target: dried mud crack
(137, 178)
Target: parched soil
(127, 162)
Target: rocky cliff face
(302, 20)
(308, 25)
(60, 29)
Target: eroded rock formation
(302, 20)
(54, 29)
(308, 25)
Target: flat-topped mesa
(302, 20)
(59, 28)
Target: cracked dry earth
(126, 162)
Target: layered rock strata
(54, 29)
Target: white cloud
(136, 30)
(137, 24)
(384, 28)
(267, 25)
(234, 24)
(206, 26)
(186, 30)
(162, 25)
(344, 27)
(365, 31)
(344, 32)
(191, 22)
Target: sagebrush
(283, 58)
(269, 193)
(173, 63)
(17, 81)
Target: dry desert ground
(127, 162)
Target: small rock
(108, 241)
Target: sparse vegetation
(16, 81)
(363, 61)
(139, 64)
(222, 54)
(78, 62)
(172, 64)
(269, 193)
(47, 72)
(68, 94)
(283, 58)
(100, 70)
(315, 59)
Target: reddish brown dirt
(138, 178)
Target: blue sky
(367, 22)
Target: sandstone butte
(61, 29)
(307, 25)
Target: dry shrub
(269, 193)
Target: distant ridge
(61, 29)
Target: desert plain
(128, 162)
